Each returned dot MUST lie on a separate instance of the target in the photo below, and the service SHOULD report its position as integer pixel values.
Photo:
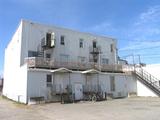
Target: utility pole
(133, 62)
(139, 58)
(99, 62)
(133, 59)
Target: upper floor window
(81, 43)
(64, 58)
(105, 61)
(112, 48)
(62, 40)
(48, 39)
(48, 55)
(32, 53)
(94, 44)
(81, 59)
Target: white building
(50, 62)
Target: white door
(78, 92)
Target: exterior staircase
(147, 79)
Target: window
(64, 58)
(94, 44)
(112, 49)
(48, 55)
(32, 53)
(62, 40)
(81, 43)
(105, 61)
(48, 39)
(81, 59)
(49, 80)
(112, 83)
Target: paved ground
(118, 109)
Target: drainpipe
(69, 80)
(98, 81)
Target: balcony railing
(39, 62)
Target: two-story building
(49, 62)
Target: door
(78, 91)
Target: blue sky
(134, 23)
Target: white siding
(21, 82)
(15, 77)
(143, 90)
(37, 82)
(15, 84)
(33, 33)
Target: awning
(61, 70)
(93, 71)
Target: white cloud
(141, 45)
(147, 23)
(145, 32)
(102, 27)
(151, 15)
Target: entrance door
(78, 91)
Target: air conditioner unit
(48, 41)
(52, 39)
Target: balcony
(39, 62)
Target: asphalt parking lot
(118, 109)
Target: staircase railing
(150, 79)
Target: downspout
(86, 79)
(69, 79)
(98, 81)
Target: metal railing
(148, 78)
(40, 62)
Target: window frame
(112, 48)
(48, 38)
(64, 58)
(62, 40)
(48, 55)
(49, 77)
(106, 61)
(112, 83)
(32, 53)
(81, 59)
(94, 44)
(81, 43)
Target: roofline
(17, 27)
(59, 27)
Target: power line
(140, 48)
